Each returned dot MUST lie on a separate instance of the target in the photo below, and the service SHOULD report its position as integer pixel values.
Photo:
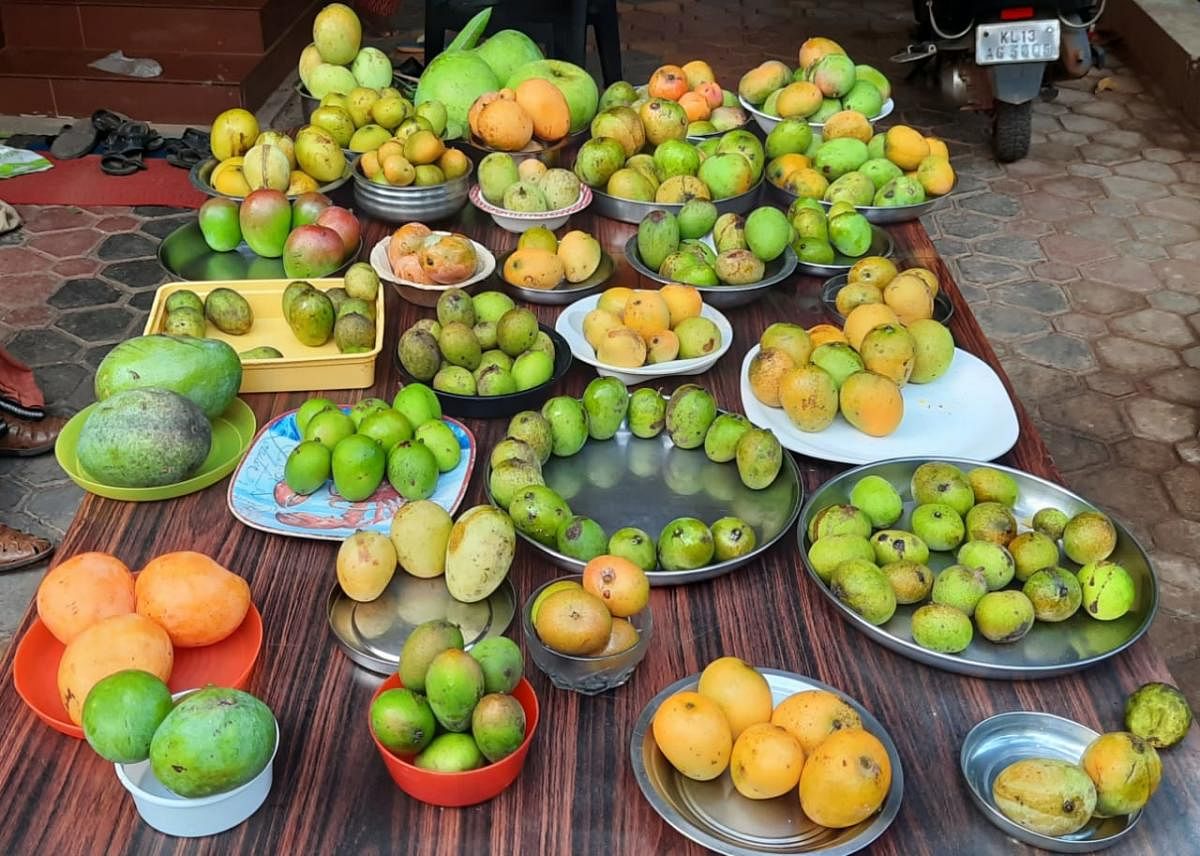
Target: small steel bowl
(405, 204)
(586, 675)
(633, 211)
(943, 309)
(1006, 738)
(768, 122)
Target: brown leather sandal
(19, 549)
(27, 437)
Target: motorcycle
(995, 55)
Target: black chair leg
(607, 30)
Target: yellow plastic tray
(301, 369)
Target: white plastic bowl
(181, 817)
(570, 326)
(519, 221)
(484, 267)
(768, 122)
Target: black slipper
(182, 155)
(122, 164)
(197, 140)
(75, 141)
(106, 121)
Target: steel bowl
(200, 176)
(500, 406)
(632, 211)
(724, 296)
(1006, 738)
(551, 154)
(630, 481)
(943, 309)
(881, 215)
(716, 816)
(565, 292)
(1048, 650)
(881, 245)
(308, 103)
(520, 221)
(406, 204)
(768, 122)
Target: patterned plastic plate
(259, 497)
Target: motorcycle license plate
(1020, 41)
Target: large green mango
(144, 438)
(207, 371)
(213, 741)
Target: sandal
(75, 141)
(126, 145)
(182, 155)
(122, 164)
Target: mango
(366, 562)
(1126, 771)
(871, 403)
(1046, 795)
(402, 720)
(454, 685)
(568, 424)
(337, 34)
(605, 401)
(498, 726)
(319, 155)
(657, 238)
(727, 174)
(311, 318)
(865, 589)
(219, 224)
(837, 157)
(853, 187)
(905, 147)
(809, 397)
(647, 413)
(689, 414)
(580, 254)
(834, 75)
(721, 439)
(767, 232)
(942, 628)
(312, 251)
(933, 350)
(685, 544)
(479, 552)
(759, 458)
(450, 753)
(539, 512)
(747, 145)
(598, 161)
(756, 84)
(901, 190)
(850, 233)
(265, 218)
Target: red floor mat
(80, 182)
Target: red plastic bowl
(454, 790)
(227, 663)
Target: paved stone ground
(1077, 262)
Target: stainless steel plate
(372, 634)
(565, 292)
(1006, 738)
(200, 175)
(880, 215)
(943, 309)
(1048, 650)
(724, 296)
(185, 254)
(632, 211)
(716, 816)
(629, 481)
(881, 245)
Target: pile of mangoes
(849, 163)
(736, 251)
(825, 83)
(858, 370)
(813, 740)
(590, 618)
(507, 120)
(454, 711)
(872, 567)
(693, 87)
(544, 262)
(417, 254)
(820, 235)
(407, 442)
(414, 156)
(631, 328)
(565, 424)
(529, 187)
(613, 159)
(249, 160)
(313, 236)
(483, 345)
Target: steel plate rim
(903, 213)
(560, 296)
(886, 109)
(208, 190)
(384, 667)
(187, 227)
(1014, 829)
(671, 578)
(790, 264)
(883, 820)
(951, 662)
(832, 270)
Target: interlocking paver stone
(42, 347)
(1183, 486)
(125, 246)
(1181, 385)
(1164, 421)
(93, 325)
(1155, 326)
(1127, 273)
(1135, 357)
(84, 292)
(1132, 188)
(1044, 297)
(1059, 350)
(141, 273)
(1009, 247)
(1007, 322)
(1163, 231)
(1159, 173)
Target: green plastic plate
(232, 433)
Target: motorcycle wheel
(1012, 130)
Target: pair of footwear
(19, 549)
(192, 147)
(124, 142)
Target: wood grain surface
(577, 793)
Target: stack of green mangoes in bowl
(407, 442)
(700, 248)
(478, 346)
(526, 188)
(820, 235)
(825, 83)
(657, 164)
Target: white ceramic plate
(966, 413)
(485, 265)
(570, 326)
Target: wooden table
(577, 793)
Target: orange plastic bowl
(454, 790)
(226, 663)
